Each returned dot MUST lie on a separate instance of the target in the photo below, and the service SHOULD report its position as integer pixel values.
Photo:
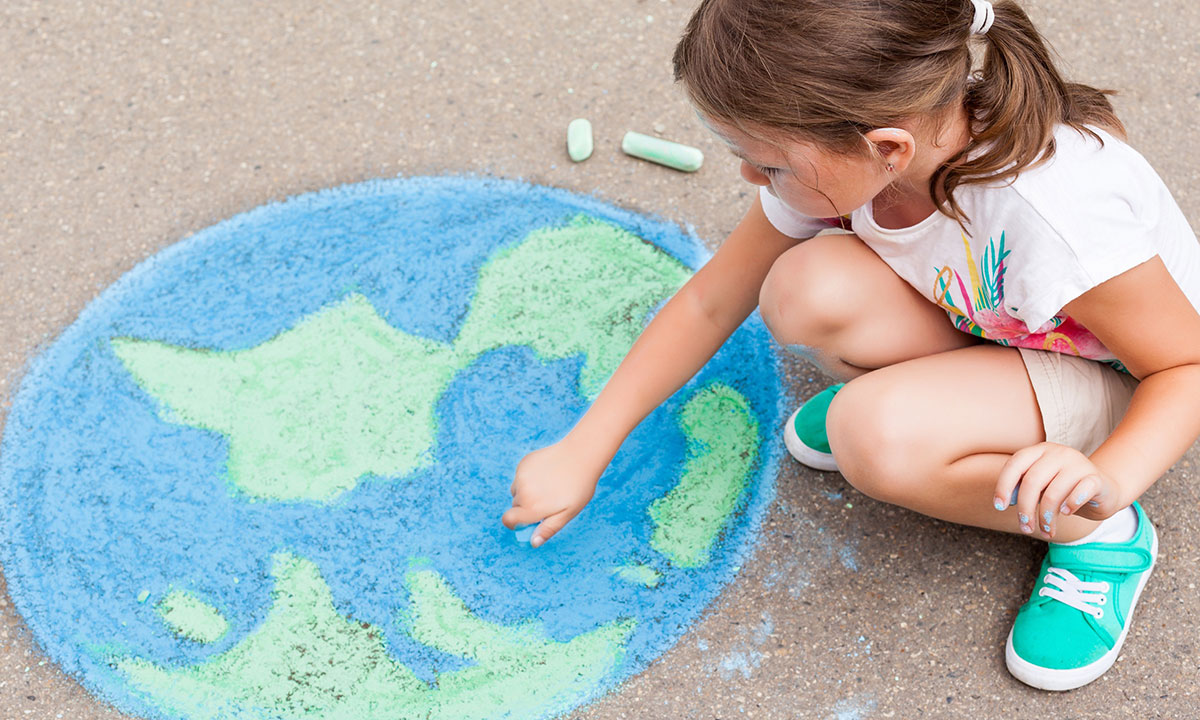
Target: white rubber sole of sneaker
(804, 454)
(1055, 679)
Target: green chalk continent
(307, 661)
(585, 287)
(722, 437)
(191, 617)
(311, 410)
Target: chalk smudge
(858, 708)
(848, 557)
(747, 654)
(865, 649)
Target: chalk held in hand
(579, 139)
(524, 533)
(663, 152)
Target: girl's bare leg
(931, 434)
(832, 300)
(931, 414)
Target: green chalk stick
(579, 139)
(663, 152)
(143, 595)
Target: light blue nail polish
(999, 505)
(1026, 529)
(1023, 518)
(1047, 515)
(1079, 499)
(1093, 503)
(1046, 528)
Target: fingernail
(1047, 516)
(1064, 509)
(1023, 518)
(1093, 503)
(998, 504)
(1046, 529)
(1079, 499)
(536, 541)
(1026, 529)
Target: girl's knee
(802, 297)
(873, 441)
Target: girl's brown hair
(827, 71)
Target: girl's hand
(552, 485)
(1055, 480)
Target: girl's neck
(906, 201)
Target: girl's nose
(753, 176)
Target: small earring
(891, 167)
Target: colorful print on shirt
(980, 309)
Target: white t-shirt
(1058, 230)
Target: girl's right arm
(553, 484)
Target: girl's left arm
(1145, 319)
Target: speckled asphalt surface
(127, 126)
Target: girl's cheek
(802, 200)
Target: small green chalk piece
(579, 139)
(143, 595)
(663, 152)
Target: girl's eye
(770, 171)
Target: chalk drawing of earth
(261, 476)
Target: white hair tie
(984, 17)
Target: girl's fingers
(1054, 497)
(1010, 475)
(518, 515)
(1100, 505)
(1033, 482)
(550, 526)
(1084, 491)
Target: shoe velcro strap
(1110, 559)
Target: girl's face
(806, 178)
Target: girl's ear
(894, 146)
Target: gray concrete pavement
(127, 126)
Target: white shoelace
(1085, 596)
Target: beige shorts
(1081, 401)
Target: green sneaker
(1072, 628)
(805, 435)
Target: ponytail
(1014, 102)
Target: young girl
(1014, 314)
